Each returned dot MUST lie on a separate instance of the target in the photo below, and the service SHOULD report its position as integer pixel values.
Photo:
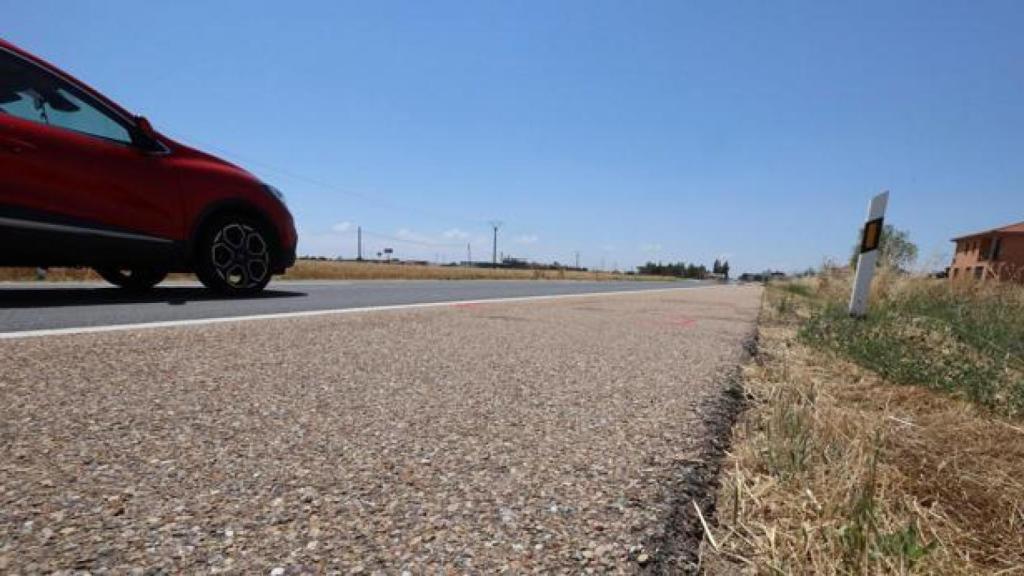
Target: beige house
(996, 254)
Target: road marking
(312, 313)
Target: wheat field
(347, 270)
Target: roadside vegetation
(338, 270)
(893, 444)
(683, 270)
(966, 339)
(347, 270)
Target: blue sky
(628, 131)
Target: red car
(85, 183)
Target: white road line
(311, 313)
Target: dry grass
(54, 274)
(333, 270)
(834, 470)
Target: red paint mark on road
(678, 322)
(683, 322)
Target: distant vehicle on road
(85, 183)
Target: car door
(69, 172)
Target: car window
(28, 92)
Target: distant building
(510, 262)
(995, 254)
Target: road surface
(27, 306)
(568, 435)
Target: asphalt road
(554, 436)
(40, 306)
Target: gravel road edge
(678, 550)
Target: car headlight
(275, 193)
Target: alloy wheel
(240, 256)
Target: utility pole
(577, 259)
(469, 255)
(359, 243)
(494, 250)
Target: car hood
(185, 154)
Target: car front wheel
(234, 256)
(134, 279)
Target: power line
(412, 241)
(375, 199)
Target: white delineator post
(868, 257)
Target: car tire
(234, 256)
(133, 279)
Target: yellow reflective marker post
(869, 244)
(872, 235)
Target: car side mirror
(145, 127)
(145, 136)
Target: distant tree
(895, 250)
(677, 269)
(717, 266)
(725, 269)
